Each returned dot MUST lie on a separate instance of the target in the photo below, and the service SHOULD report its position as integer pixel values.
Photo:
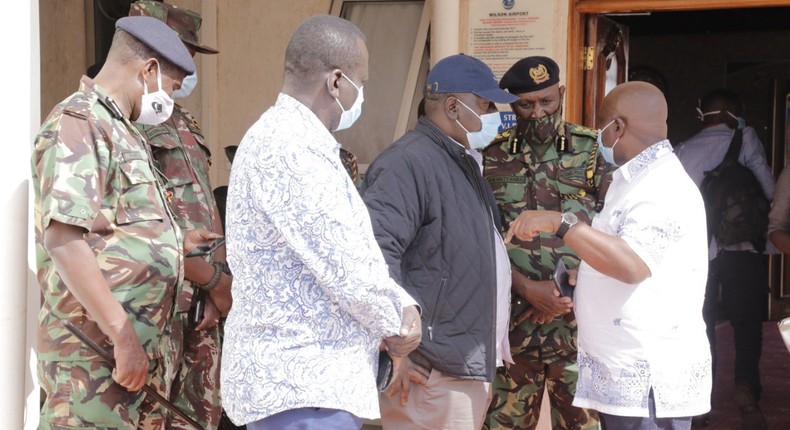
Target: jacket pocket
(139, 194)
(436, 309)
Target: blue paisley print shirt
(312, 297)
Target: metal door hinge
(589, 57)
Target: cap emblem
(539, 74)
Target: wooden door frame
(578, 10)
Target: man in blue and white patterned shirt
(312, 295)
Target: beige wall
(235, 86)
(253, 35)
(64, 49)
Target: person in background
(312, 296)
(437, 224)
(109, 253)
(738, 273)
(542, 163)
(644, 360)
(183, 157)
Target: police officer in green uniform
(108, 251)
(183, 158)
(541, 163)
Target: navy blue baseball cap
(466, 74)
(158, 36)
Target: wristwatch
(569, 219)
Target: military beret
(530, 74)
(465, 74)
(184, 21)
(159, 37)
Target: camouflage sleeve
(67, 165)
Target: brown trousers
(445, 403)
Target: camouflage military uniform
(183, 160)
(108, 188)
(569, 177)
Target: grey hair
(322, 43)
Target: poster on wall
(501, 32)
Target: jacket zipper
(436, 309)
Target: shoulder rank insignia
(582, 130)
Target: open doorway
(689, 53)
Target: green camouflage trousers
(545, 357)
(83, 395)
(195, 388)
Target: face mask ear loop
(158, 77)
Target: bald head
(321, 44)
(642, 109)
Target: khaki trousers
(445, 403)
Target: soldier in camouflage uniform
(541, 163)
(108, 250)
(183, 158)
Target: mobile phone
(206, 249)
(197, 308)
(562, 280)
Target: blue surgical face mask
(606, 152)
(187, 85)
(741, 121)
(489, 127)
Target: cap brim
(203, 49)
(496, 96)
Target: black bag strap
(735, 147)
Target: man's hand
(210, 316)
(197, 237)
(131, 361)
(531, 223)
(545, 300)
(404, 372)
(410, 334)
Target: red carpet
(774, 373)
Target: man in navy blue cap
(437, 224)
(108, 251)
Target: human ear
(332, 83)
(451, 107)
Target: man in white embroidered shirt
(644, 360)
(312, 294)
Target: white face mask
(606, 152)
(489, 127)
(349, 117)
(741, 122)
(156, 107)
(187, 85)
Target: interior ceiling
(707, 21)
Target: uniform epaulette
(581, 130)
(502, 137)
(78, 107)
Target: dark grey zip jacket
(433, 215)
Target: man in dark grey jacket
(435, 219)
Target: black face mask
(541, 131)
